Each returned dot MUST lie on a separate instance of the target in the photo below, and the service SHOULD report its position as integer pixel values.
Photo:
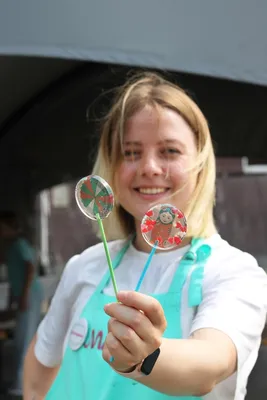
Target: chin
(138, 215)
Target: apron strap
(183, 268)
(201, 253)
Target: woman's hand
(135, 329)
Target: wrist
(132, 373)
(144, 368)
(128, 370)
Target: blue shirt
(19, 252)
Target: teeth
(152, 190)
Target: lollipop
(163, 227)
(95, 199)
(164, 224)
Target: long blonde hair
(150, 89)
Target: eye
(170, 151)
(173, 151)
(131, 154)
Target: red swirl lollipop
(94, 197)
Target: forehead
(150, 124)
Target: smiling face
(166, 217)
(158, 149)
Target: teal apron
(84, 374)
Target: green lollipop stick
(95, 199)
(111, 271)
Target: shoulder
(90, 265)
(23, 247)
(96, 253)
(234, 285)
(94, 256)
(229, 261)
(82, 274)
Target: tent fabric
(223, 39)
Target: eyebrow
(132, 143)
(170, 141)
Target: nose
(150, 166)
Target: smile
(152, 190)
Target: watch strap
(144, 368)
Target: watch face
(149, 362)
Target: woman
(203, 305)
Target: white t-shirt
(234, 301)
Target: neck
(141, 245)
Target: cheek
(125, 173)
(183, 179)
(178, 174)
(180, 171)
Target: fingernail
(111, 359)
(106, 306)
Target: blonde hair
(150, 89)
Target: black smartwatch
(142, 369)
(149, 362)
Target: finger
(107, 356)
(150, 306)
(109, 323)
(129, 339)
(113, 348)
(132, 318)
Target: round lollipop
(163, 227)
(95, 199)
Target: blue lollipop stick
(147, 265)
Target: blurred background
(59, 62)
